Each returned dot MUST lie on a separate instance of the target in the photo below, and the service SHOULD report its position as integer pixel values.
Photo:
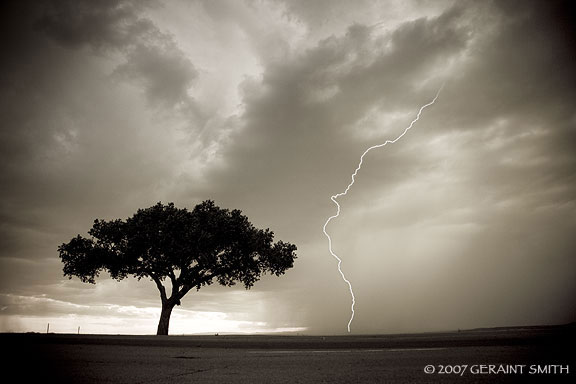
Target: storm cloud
(467, 221)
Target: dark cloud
(465, 222)
(151, 57)
(73, 140)
(164, 73)
(101, 25)
(300, 117)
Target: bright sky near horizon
(266, 106)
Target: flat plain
(496, 355)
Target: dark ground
(60, 358)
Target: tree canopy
(190, 249)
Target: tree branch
(184, 291)
(175, 287)
(187, 273)
(187, 287)
(160, 286)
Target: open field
(506, 355)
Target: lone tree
(190, 249)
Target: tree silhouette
(190, 249)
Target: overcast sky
(266, 106)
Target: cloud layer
(111, 106)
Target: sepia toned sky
(266, 106)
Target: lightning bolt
(333, 198)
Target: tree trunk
(165, 318)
